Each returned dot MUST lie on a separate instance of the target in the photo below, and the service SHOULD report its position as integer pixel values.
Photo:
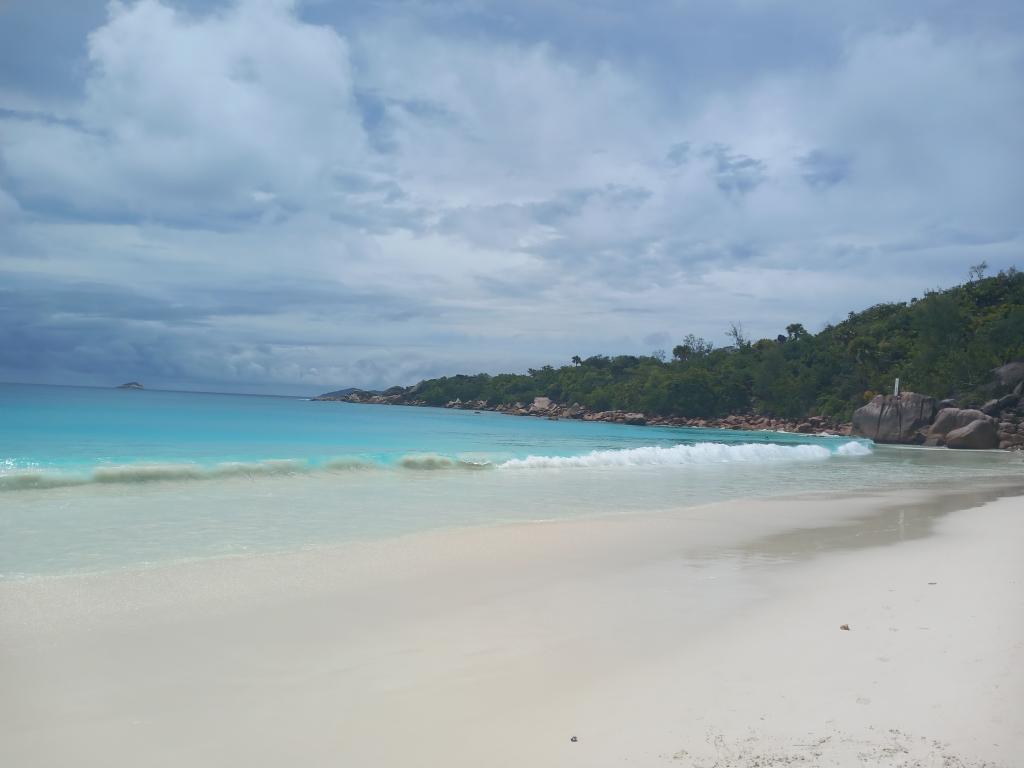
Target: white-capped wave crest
(691, 454)
(677, 455)
(854, 448)
(430, 461)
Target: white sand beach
(704, 637)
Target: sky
(290, 197)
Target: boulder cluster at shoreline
(910, 418)
(543, 407)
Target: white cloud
(485, 123)
(418, 202)
(220, 115)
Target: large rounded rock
(1000, 404)
(895, 418)
(979, 434)
(1010, 375)
(950, 419)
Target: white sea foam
(678, 455)
(348, 463)
(436, 461)
(684, 455)
(854, 448)
(145, 473)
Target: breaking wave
(854, 448)
(435, 461)
(687, 455)
(34, 478)
(676, 456)
(144, 473)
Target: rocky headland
(543, 407)
(914, 419)
(909, 418)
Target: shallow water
(97, 479)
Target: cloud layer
(266, 195)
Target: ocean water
(99, 479)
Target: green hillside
(943, 344)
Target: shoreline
(813, 425)
(494, 645)
(993, 489)
(924, 423)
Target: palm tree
(577, 360)
(796, 331)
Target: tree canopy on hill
(944, 344)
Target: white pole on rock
(896, 387)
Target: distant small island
(130, 385)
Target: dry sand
(705, 637)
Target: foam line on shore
(674, 456)
(688, 455)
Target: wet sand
(701, 637)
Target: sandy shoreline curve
(700, 637)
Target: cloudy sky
(279, 196)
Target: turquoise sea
(98, 479)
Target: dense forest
(944, 344)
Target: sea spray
(854, 448)
(691, 454)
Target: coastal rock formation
(393, 396)
(545, 407)
(1010, 376)
(617, 417)
(130, 385)
(905, 419)
(886, 419)
(351, 394)
(575, 411)
(993, 407)
(895, 418)
(979, 434)
(1005, 415)
(950, 419)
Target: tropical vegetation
(943, 344)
